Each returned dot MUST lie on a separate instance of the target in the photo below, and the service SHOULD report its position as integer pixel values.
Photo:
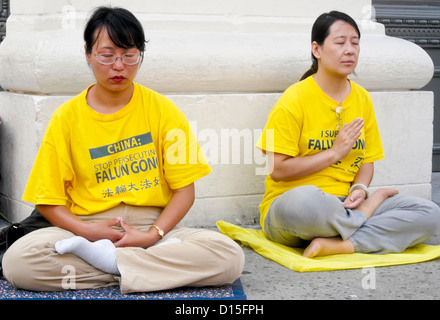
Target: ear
(316, 50)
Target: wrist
(144, 239)
(159, 231)
(80, 228)
(333, 156)
(155, 234)
(361, 186)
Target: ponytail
(313, 69)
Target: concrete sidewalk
(265, 279)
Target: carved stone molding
(4, 13)
(416, 23)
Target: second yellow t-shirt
(303, 122)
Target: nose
(118, 64)
(349, 49)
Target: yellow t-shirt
(303, 122)
(92, 162)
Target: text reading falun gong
(221, 309)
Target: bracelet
(360, 186)
(160, 232)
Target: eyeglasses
(340, 114)
(110, 58)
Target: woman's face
(339, 53)
(117, 76)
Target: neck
(106, 101)
(336, 87)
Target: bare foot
(372, 203)
(327, 246)
(386, 192)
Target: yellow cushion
(292, 257)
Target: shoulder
(154, 96)
(70, 109)
(363, 98)
(300, 87)
(357, 86)
(300, 91)
(159, 108)
(294, 97)
(156, 102)
(360, 90)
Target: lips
(118, 79)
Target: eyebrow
(114, 48)
(108, 48)
(341, 36)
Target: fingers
(354, 199)
(353, 204)
(120, 242)
(115, 235)
(113, 222)
(353, 129)
(347, 136)
(123, 224)
(357, 122)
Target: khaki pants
(203, 258)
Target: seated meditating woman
(322, 140)
(113, 177)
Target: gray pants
(304, 213)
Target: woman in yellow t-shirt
(322, 139)
(114, 175)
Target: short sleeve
(374, 149)
(52, 172)
(184, 161)
(281, 133)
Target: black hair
(321, 30)
(123, 28)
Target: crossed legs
(201, 257)
(335, 245)
(385, 222)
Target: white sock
(100, 254)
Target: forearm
(290, 168)
(61, 216)
(365, 174)
(176, 209)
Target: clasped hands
(128, 237)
